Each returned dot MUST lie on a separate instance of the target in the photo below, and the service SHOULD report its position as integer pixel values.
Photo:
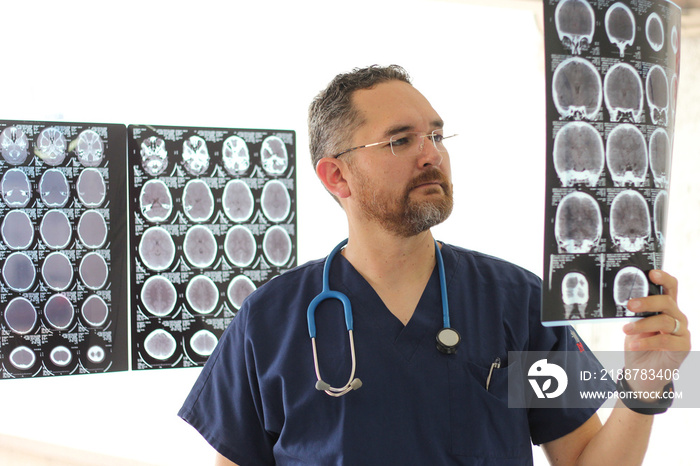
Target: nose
(429, 155)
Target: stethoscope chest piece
(447, 340)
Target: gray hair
(332, 118)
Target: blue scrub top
(255, 400)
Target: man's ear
(331, 172)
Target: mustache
(432, 175)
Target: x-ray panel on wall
(63, 291)
(213, 217)
(612, 79)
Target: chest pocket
(482, 425)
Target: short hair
(332, 118)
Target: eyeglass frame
(430, 134)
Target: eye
(400, 140)
(437, 137)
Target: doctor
(379, 148)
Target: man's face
(405, 195)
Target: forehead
(394, 105)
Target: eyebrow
(393, 130)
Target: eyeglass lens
(411, 143)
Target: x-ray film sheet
(213, 217)
(612, 76)
(63, 263)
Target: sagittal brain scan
(236, 157)
(195, 155)
(579, 155)
(620, 26)
(626, 154)
(206, 205)
(624, 93)
(156, 201)
(14, 145)
(575, 23)
(655, 32)
(578, 223)
(660, 157)
(91, 188)
(16, 190)
(630, 283)
(577, 89)
(574, 295)
(89, 148)
(657, 94)
(238, 201)
(630, 224)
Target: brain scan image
(92, 229)
(624, 93)
(57, 271)
(58, 312)
(203, 342)
(202, 294)
(95, 311)
(200, 246)
(61, 356)
(277, 246)
(630, 283)
(53, 188)
(55, 229)
(577, 89)
(89, 148)
(273, 155)
(626, 155)
(93, 271)
(674, 39)
(154, 156)
(17, 230)
(660, 157)
(239, 289)
(16, 190)
(158, 296)
(18, 272)
(620, 26)
(574, 295)
(23, 358)
(579, 155)
(159, 344)
(238, 201)
(275, 201)
(156, 201)
(197, 201)
(236, 156)
(195, 155)
(657, 95)
(660, 204)
(578, 224)
(655, 32)
(575, 23)
(240, 246)
(157, 249)
(91, 188)
(51, 146)
(14, 145)
(20, 316)
(96, 354)
(630, 225)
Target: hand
(651, 342)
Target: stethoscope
(447, 338)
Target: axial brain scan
(274, 156)
(578, 224)
(16, 190)
(89, 148)
(51, 146)
(14, 145)
(236, 156)
(195, 155)
(53, 188)
(579, 155)
(154, 155)
(575, 23)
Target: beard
(404, 216)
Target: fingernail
(633, 304)
(628, 327)
(655, 275)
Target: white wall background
(258, 64)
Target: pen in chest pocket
(495, 365)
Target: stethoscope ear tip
(322, 386)
(355, 384)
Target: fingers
(668, 282)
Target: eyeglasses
(409, 143)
